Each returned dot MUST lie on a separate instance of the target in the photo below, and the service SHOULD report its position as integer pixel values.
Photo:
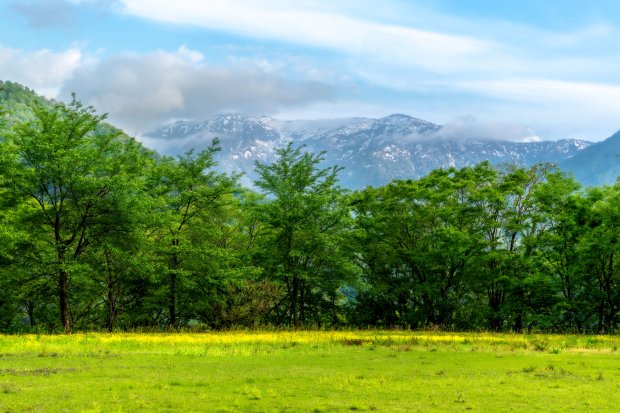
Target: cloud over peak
(468, 127)
(141, 90)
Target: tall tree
(418, 239)
(511, 214)
(600, 250)
(186, 190)
(74, 171)
(305, 220)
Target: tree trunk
(294, 293)
(495, 295)
(519, 316)
(112, 297)
(30, 306)
(609, 289)
(173, 279)
(63, 295)
(172, 305)
(302, 303)
(112, 311)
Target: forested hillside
(16, 102)
(98, 233)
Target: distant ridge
(373, 151)
(597, 164)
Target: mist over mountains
(372, 151)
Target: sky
(524, 69)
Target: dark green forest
(99, 233)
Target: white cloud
(393, 57)
(42, 70)
(401, 45)
(553, 108)
(143, 90)
(191, 55)
(468, 127)
(547, 91)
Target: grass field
(309, 372)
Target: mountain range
(372, 151)
(597, 164)
(375, 151)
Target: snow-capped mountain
(373, 151)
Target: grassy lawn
(309, 372)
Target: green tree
(418, 241)
(75, 173)
(186, 192)
(556, 252)
(600, 249)
(510, 214)
(305, 222)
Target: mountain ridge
(373, 151)
(597, 164)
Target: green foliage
(16, 102)
(96, 232)
(306, 222)
(74, 184)
(486, 248)
(191, 204)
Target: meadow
(385, 371)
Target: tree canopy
(96, 232)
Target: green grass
(309, 372)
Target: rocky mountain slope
(597, 164)
(373, 151)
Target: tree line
(99, 233)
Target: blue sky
(513, 69)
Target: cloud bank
(468, 127)
(319, 59)
(140, 91)
(43, 70)
(310, 26)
